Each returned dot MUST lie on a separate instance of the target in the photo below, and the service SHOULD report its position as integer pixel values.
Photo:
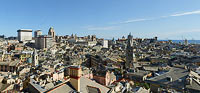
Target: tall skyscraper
(52, 32)
(37, 33)
(24, 35)
(129, 52)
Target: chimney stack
(75, 74)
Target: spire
(130, 33)
(113, 39)
(129, 52)
(35, 58)
(130, 40)
(35, 52)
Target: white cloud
(187, 13)
(131, 21)
(109, 28)
(134, 20)
(106, 28)
(164, 16)
(173, 15)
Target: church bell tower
(129, 52)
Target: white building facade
(104, 43)
(24, 35)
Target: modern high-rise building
(24, 35)
(129, 52)
(52, 32)
(43, 42)
(37, 33)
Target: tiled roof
(84, 82)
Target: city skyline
(106, 19)
(99, 46)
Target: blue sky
(167, 19)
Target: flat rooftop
(24, 30)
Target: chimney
(75, 74)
